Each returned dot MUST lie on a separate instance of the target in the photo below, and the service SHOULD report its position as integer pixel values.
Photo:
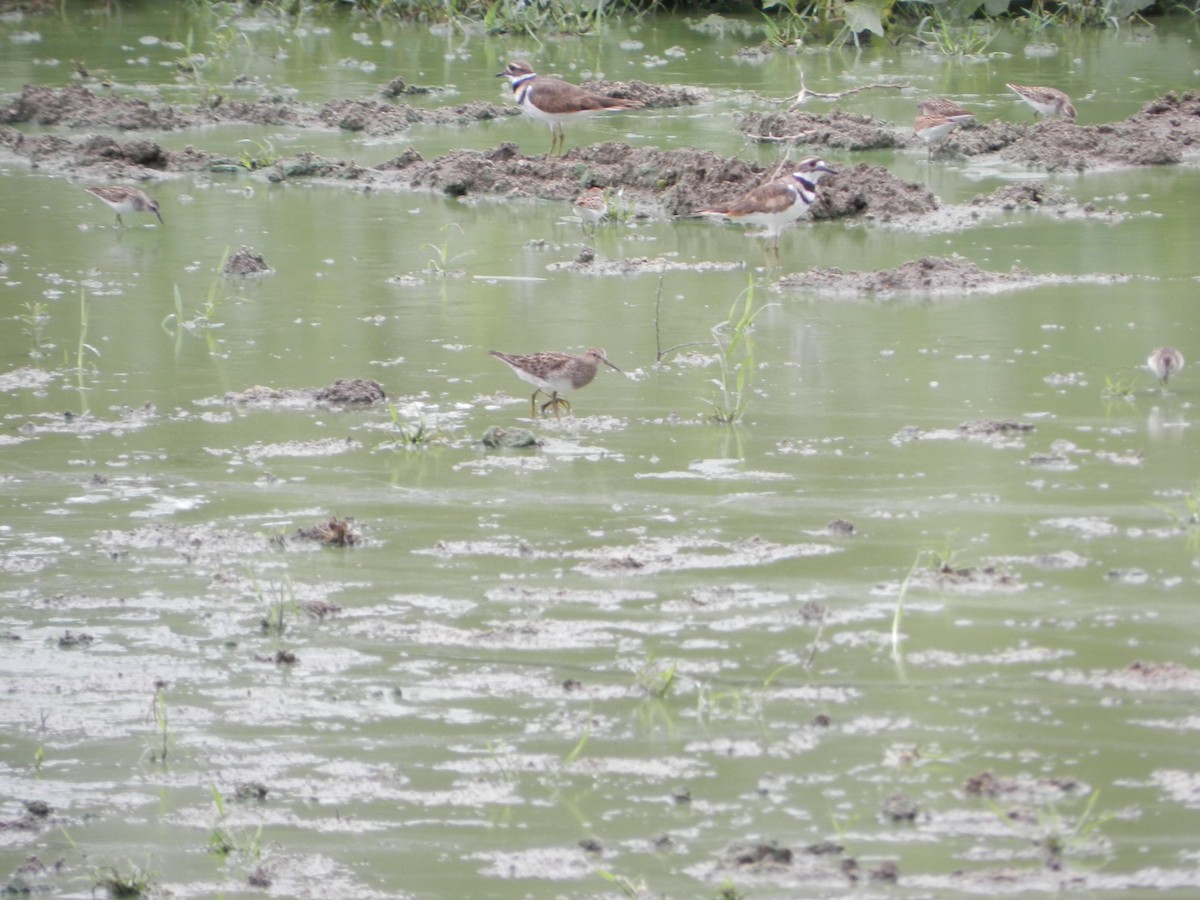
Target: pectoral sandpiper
(554, 374)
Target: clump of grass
(263, 155)
(1055, 836)
(410, 434)
(656, 680)
(33, 325)
(202, 316)
(224, 840)
(441, 259)
(275, 620)
(1118, 388)
(735, 355)
(160, 714)
(955, 41)
(131, 880)
(627, 887)
(1188, 518)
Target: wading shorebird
(590, 207)
(125, 200)
(555, 101)
(937, 117)
(1164, 362)
(554, 374)
(777, 203)
(1046, 101)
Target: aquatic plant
(131, 881)
(659, 352)
(159, 712)
(33, 324)
(202, 316)
(263, 157)
(1118, 388)
(1187, 519)
(623, 884)
(656, 680)
(410, 434)
(439, 264)
(274, 622)
(955, 40)
(81, 345)
(1056, 836)
(735, 355)
(224, 840)
(577, 750)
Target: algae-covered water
(922, 624)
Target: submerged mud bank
(930, 275)
(656, 182)
(1161, 133)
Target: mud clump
(838, 130)
(351, 390)
(1061, 146)
(931, 274)
(650, 96)
(1023, 195)
(75, 106)
(872, 192)
(334, 533)
(343, 392)
(246, 262)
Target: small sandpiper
(940, 106)
(776, 203)
(1046, 101)
(933, 130)
(590, 207)
(554, 101)
(126, 200)
(555, 373)
(1164, 362)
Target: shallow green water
(432, 741)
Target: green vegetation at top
(945, 25)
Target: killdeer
(555, 373)
(125, 200)
(1046, 101)
(1165, 362)
(776, 203)
(554, 101)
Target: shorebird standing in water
(125, 200)
(937, 117)
(554, 374)
(776, 203)
(1046, 101)
(590, 207)
(1164, 362)
(555, 101)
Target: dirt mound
(1060, 146)
(75, 106)
(840, 130)
(872, 192)
(246, 262)
(651, 96)
(933, 274)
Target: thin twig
(805, 93)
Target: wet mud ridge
(657, 182)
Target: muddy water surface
(926, 616)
